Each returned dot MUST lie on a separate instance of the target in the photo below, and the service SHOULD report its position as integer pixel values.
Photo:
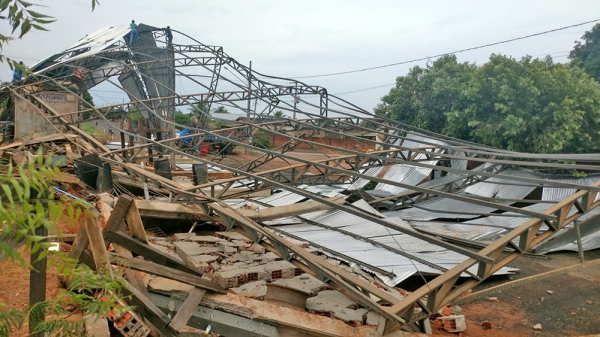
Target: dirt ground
(573, 308)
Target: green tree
(199, 109)
(88, 102)
(526, 105)
(529, 105)
(424, 95)
(279, 113)
(586, 53)
(221, 110)
(182, 118)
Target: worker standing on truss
(169, 36)
(134, 33)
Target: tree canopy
(527, 105)
(586, 53)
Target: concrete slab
(166, 286)
(206, 238)
(256, 290)
(353, 317)
(328, 301)
(226, 249)
(305, 282)
(233, 236)
(203, 258)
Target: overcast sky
(300, 38)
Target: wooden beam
(97, 245)
(134, 221)
(168, 210)
(166, 272)
(187, 309)
(80, 243)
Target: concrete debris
(304, 282)
(550, 292)
(537, 327)
(96, 326)
(493, 299)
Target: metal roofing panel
(361, 182)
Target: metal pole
(295, 98)
(249, 106)
(579, 244)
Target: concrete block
(305, 283)
(238, 277)
(233, 236)
(258, 249)
(204, 258)
(256, 290)
(96, 326)
(206, 239)
(226, 248)
(279, 270)
(268, 257)
(182, 236)
(242, 244)
(245, 256)
(453, 323)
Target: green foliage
(220, 124)
(279, 113)
(199, 109)
(88, 103)
(425, 95)
(586, 53)
(183, 118)
(20, 15)
(220, 110)
(27, 202)
(262, 140)
(526, 105)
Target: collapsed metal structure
(434, 205)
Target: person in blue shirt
(134, 33)
(18, 73)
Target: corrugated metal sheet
(361, 182)
(559, 193)
(502, 188)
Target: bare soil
(573, 308)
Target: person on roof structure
(134, 33)
(18, 73)
(169, 36)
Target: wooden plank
(187, 309)
(148, 252)
(118, 213)
(166, 272)
(97, 245)
(135, 224)
(80, 243)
